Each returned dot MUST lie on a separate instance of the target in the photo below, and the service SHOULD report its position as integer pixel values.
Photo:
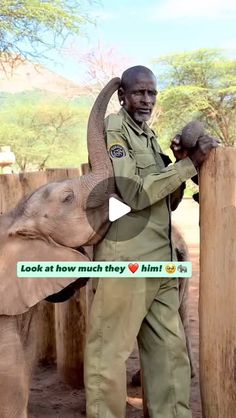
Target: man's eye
(141, 93)
(152, 93)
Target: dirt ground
(51, 397)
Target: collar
(145, 131)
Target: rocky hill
(27, 76)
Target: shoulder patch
(117, 151)
(113, 122)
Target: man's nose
(146, 98)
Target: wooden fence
(62, 326)
(217, 302)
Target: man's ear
(121, 95)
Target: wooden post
(46, 344)
(217, 304)
(71, 322)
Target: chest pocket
(145, 164)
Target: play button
(126, 221)
(117, 209)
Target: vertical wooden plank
(58, 174)
(217, 307)
(71, 323)
(11, 191)
(46, 347)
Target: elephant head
(61, 210)
(52, 222)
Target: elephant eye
(68, 198)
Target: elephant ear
(18, 295)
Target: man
(147, 309)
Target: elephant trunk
(98, 156)
(99, 184)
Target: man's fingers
(175, 144)
(176, 140)
(176, 147)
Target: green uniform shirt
(135, 154)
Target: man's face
(140, 97)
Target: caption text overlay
(122, 269)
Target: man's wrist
(186, 169)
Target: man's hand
(177, 148)
(200, 152)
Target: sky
(138, 31)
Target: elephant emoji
(50, 224)
(182, 269)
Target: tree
(199, 84)
(46, 133)
(28, 28)
(102, 63)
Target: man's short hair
(131, 73)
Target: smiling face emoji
(170, 268)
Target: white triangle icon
(117, 209)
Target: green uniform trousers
(123, 310)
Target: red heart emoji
(133, 267)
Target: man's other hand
(177, 148)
